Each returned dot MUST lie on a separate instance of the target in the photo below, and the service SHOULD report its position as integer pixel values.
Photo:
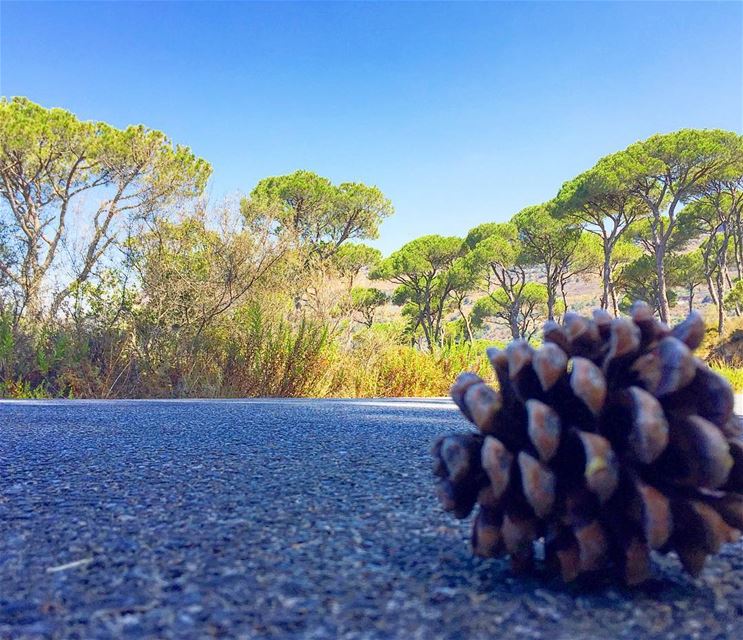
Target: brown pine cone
(609, 441)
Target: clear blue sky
(460, 113)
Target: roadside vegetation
(119, 279)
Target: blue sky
(460, 112)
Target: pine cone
(609, 441)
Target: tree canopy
(664, 173)
(554, 245)
(322, 216)
(352, 257)
(49, 159)
(424, 271)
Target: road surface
(281, 519)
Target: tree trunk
(738, 245)
(429, 337)
(711, 288)
(720, 319)
(720, 283)
(606, 278)
(514, 323)
(564, 296)
(663, 308)
(466, 320)
(614, 304)
(423, 323)
(32, 302)
(722, 275)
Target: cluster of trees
(499, 266)
(659, 218)
(117, 278)
(109, 257)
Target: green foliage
(7, 340)
(665, 172)
(366, 301)
(23, 390)
(49, 161)
(511, 299)
(320, 215)
(426, 271)
(624, 252)
(558, 247)
(638, 280)
(522, 314)
(546, 239)
(651, 182)
(681, 160)
(270, 357)
(425, 257)
(734, 298)
(496, 244)
(164, 297)
(734, 375)
(351, 258)
(687, 269)
(381, 367)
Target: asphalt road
(282, 519)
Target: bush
(733, 375)
(271, 358)
(252, 352)
(378, 367)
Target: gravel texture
(282, 519)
